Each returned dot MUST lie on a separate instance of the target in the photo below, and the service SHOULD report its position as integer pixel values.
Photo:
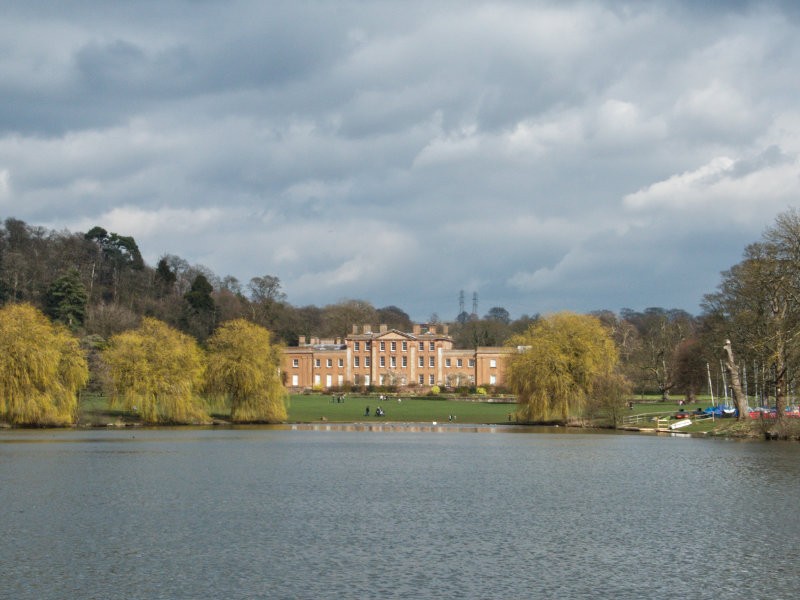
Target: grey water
(281, 513)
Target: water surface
(277, 513)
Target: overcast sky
(544, 155)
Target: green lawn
(306, 409)
(651, 407)
(94, 409)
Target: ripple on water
(404, 514)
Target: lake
(440, 513)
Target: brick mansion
(421, 358)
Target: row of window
(393, 362)
(340, 380)
(459, 363)
(393, 346)
(318, 363)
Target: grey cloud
(288, 137)
(770, 157)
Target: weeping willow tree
(42, 369)
(156, 371)
(561, 358)
(243, 369)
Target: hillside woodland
(97, 285)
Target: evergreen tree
(200, 310)
(165, 278)
(66, 299)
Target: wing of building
(387, 357)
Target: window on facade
(383, 346)
(459, 363)
(393, 362)
(471, 363)
(421, 361)
(422, 379)
(432, 362)
(405, 362)
(447, 362)
(393, 346)
(383, 361)
(404, 345)
(329, 362)
(432, 346)
(356, 346)
(367, 361)
(493, 363)
(367, 346)
(421, 346)
(356, 360)
(432, 379)
(341, 363)
(295, 362)
(316, 362)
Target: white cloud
(5, 184)
(724, 189)
(165, 221)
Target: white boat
(680, 424)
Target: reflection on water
(334, 511)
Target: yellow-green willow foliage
(42, 368)
(156, 371)
(560, 359)
(243, 368)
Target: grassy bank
(312, 408)
(95, 410)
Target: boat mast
(710, 387)
(724, 382)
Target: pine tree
(66, 299)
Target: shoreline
(387, 426)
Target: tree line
(744, 346)
(154, 371)
(744, 343)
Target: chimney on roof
(445, 329)
(301, 341)
(355, 329)
(383, 328)
(417, 329)
(367, 328)
(432, 329)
